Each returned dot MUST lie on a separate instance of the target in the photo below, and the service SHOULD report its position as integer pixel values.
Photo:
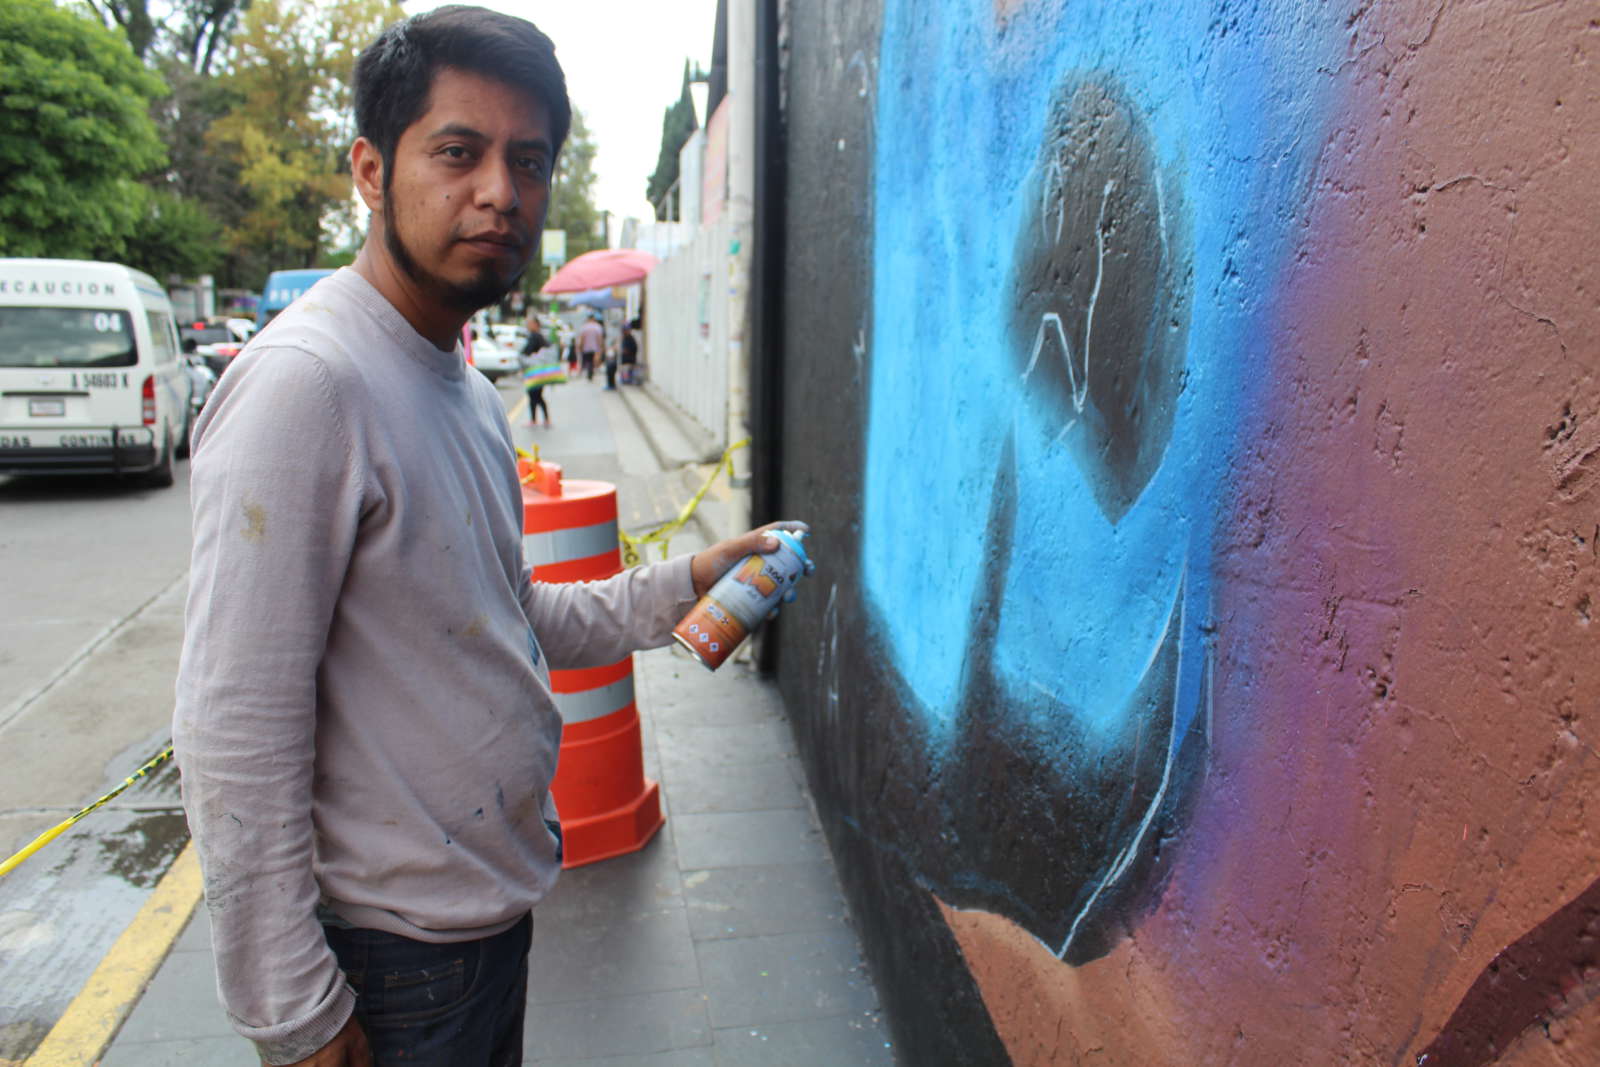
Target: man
(591, 342)
(364, 717)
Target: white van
(90, 373)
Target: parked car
(243, 329)
(509, 335)
(212, 341)
(91, 380)
(202, 380)
(493, 359)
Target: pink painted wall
(1197, 408)
(714, 180)
(1408, 605)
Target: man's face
(465, 198)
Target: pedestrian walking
(538, 373)
(630, 351)
(364, 717)
(591, 342)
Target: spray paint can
(744, 596)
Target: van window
(66, 337)
(161, 341)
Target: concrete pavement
(725, 941)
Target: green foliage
(572, 199)
(132, 17)
(199, 30)
(176, 236)
(334, 260)
(179, 232)
(572, 205)
(198, 173)
(289, 125)
(677, 126)
(75, 135)
(195, 31)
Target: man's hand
(347, 1049)
(714, 562)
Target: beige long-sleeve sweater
(364, 715)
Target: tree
(199, 186)
(195, 30)
(571, 202)
(75, 134)
(175, 236)
(678, 124)
(288, 125)
(200, 30)
(208, 180)
(572, 198)
(130, 16)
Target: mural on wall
(1040, 301)
(1213, 668)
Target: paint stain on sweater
(255, 522)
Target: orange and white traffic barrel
(608, 807)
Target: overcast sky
(624, 66)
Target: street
(95, 575)
(94, 578)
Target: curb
(85, 1029)
(707, 534)
(704, 445)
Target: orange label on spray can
(739, 601)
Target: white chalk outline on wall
(1050, 191)
(1161, 212)
(868, 94)
(1125, 858)
(1079, 382)
(828, 660)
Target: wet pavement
(64, 908)
(724, 941)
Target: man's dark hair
(394, 75)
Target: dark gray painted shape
(1100, 310)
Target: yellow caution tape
(531, 457)
(632, 546)
(56, 831)
(662, 535)
(632, 556)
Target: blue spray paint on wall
(1059, 217)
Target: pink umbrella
(601, 269)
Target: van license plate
(47, 406)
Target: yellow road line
(86, 1028)
(516, 412)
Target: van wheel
(160, 476)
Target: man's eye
(532, 164)
(454, 151)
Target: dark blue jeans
(426, 1005)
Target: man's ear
(366, 167)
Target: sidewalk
(725, 941)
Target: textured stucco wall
(1196, 404)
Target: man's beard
(482, 291)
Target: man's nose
(497, 187)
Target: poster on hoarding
(554, 248)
